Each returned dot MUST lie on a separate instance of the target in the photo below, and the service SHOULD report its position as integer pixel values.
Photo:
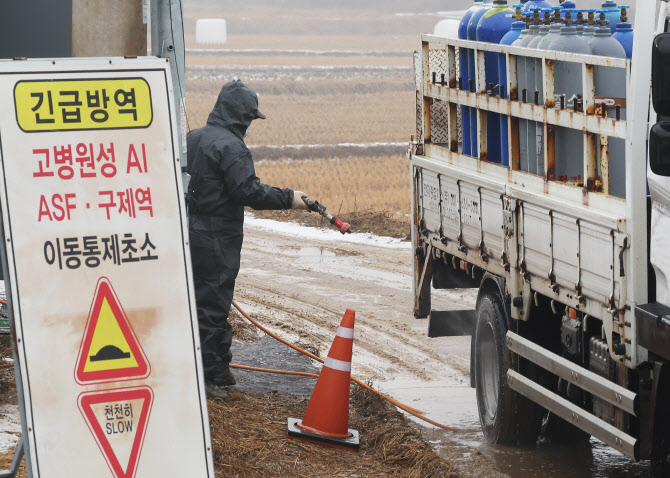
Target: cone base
(349, 443)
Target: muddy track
(301, 289)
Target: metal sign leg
(16, 461)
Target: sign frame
(8, 253)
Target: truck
(572, 319)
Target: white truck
(573, 311)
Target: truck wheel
(506, 417)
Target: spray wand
(321, 209)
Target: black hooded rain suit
(223, 181)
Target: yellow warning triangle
(109, 345)
(109, 350)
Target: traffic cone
(326, 420)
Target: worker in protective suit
(223, 181)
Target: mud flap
(423, 272)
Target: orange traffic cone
(327, 417)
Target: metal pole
(167, 41)
(24, 443)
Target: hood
(236, 108)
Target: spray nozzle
(624, 13)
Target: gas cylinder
(610, 83)
(509, 38)
(522, 85)
(544, 44)
(579, 22)
(527, 88)
(589, 24)
(493, 25)
(536, 129)
(612, 14)
(465, 75)
(624, 32)
(472, 35)
(568, 81)
(603, 43)
(554, 29)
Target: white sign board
(99, 278)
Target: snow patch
(10, 424)
(299, 231)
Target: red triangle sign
(109, 350)
(118, 421)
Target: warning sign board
(98, 270)
(118, 420)
(109, 350)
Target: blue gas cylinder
(465, 75)
(472, 35)
(612, 14)
(624, 32)
(492, 27)
(536, 5)
(509, 38)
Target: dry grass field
(346, 184)
(320, 119)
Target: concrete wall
(108, 28)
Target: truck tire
(506, 417)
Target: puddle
(457, 406)
(310, 253)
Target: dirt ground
(249, 440)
